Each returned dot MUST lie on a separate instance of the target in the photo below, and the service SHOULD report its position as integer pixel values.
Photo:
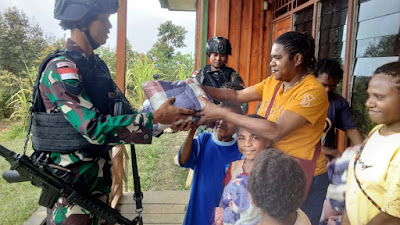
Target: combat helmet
(80, 13)
(218, 45)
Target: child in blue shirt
(207, 155)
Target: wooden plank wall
(198, 52)
(248, 28)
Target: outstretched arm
(288, 121)
(186, 148)
(224, 94)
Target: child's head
(329, 73)
(276, 183)
(250, 144)
(232, 85)
(223, 129)
(384, 94)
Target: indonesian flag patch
(68, 73)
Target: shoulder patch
(65, 64)
(68, 73)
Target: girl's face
(250, 144)
(282, 67)
(384, 100)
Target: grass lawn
(155, 163)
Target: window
(332, 30)
(377, 43)
(280, 7)
(302, 21)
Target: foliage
(20, 42)
(385, 47)
(140, 71)
(8, 87)
(54, 44)
(170, 37)
(359, 110)
(20, 101)
(108, 54)
(184, 65)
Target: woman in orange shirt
(295, 104)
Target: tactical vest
(216, 78)
(51, 132)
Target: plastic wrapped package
(188, 95)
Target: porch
(159, 207)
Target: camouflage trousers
(92, 175)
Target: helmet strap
(90, 39)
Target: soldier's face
(100, 28)
(217, 60)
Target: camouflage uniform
(219, 77)
(90, 173)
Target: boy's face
(217, 60)
(384, 100)
(329, 83)
(224, 129)
(250, 144)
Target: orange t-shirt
(308, 99)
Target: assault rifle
(24, 168)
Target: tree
(170, 37)
(20, 42)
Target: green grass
(155, 162)
(18, 200)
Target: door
(281, 27)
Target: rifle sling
(138, 195)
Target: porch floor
(159, 207)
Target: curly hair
(231, 105)
(232, 85)
(251, 116)
(295, 42)
(330, 67)
(276, 183)
(390, 69)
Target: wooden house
(360, 34)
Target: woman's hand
(210, 113)
(168, 114)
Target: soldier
(217, 73)
(76, 89)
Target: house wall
(360, 34)
(248, 27)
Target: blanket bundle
(188, 95)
